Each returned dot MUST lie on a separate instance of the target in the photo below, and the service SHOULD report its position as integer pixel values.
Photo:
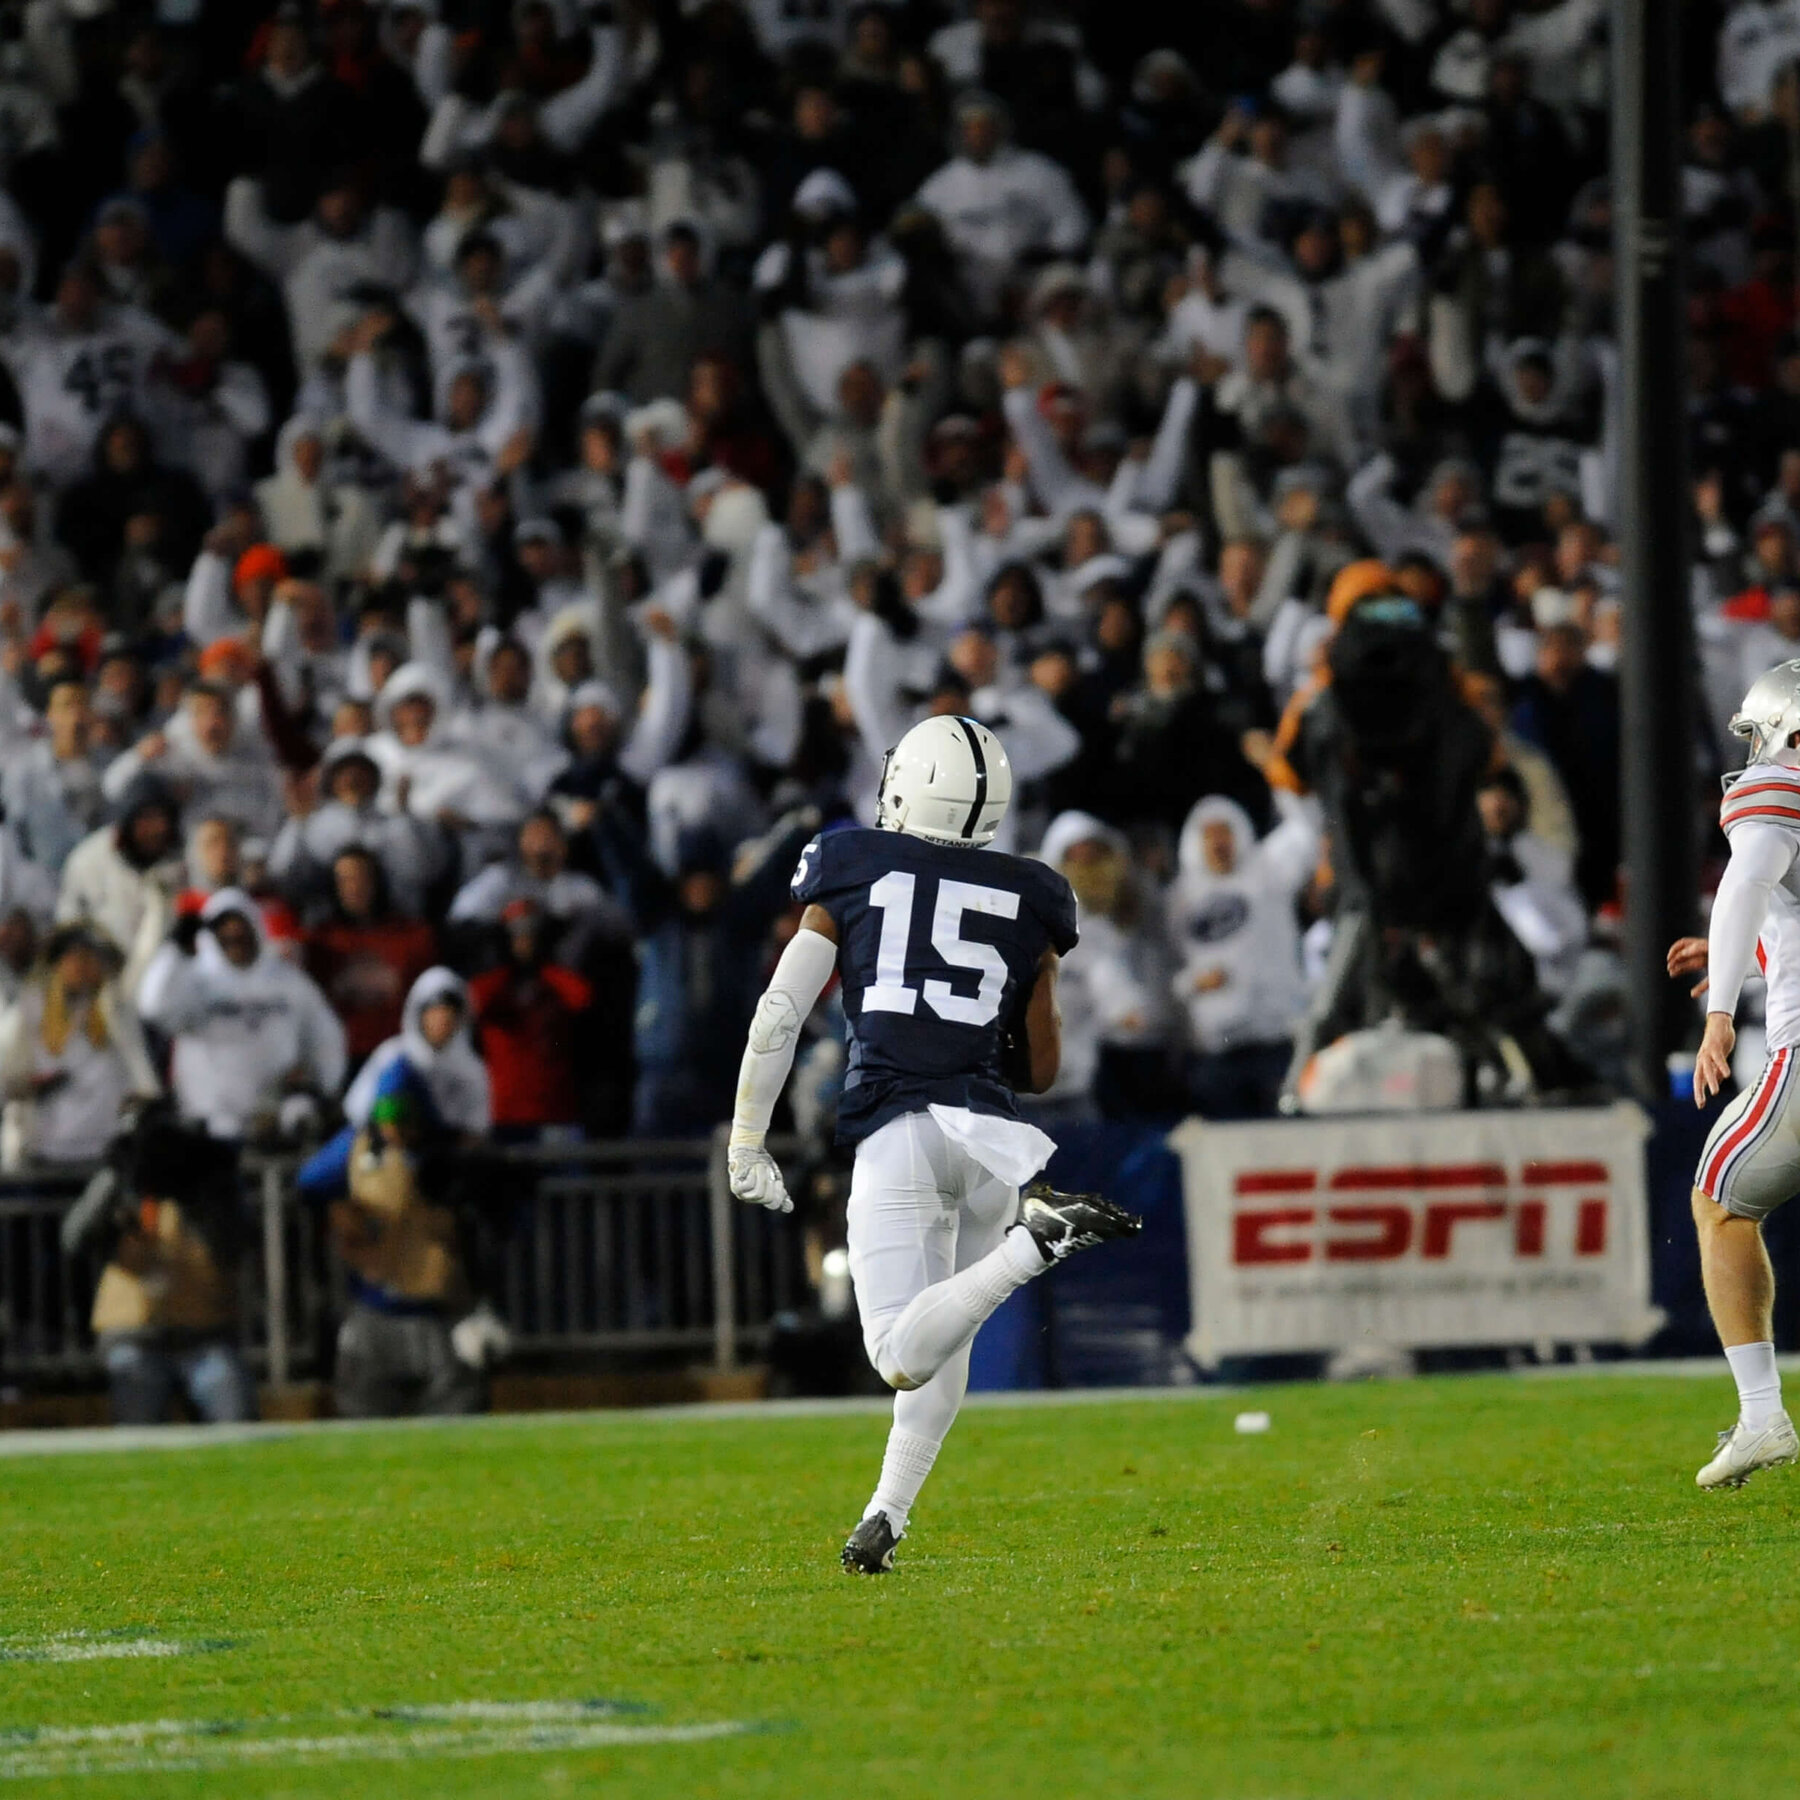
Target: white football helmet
(1770, 716)
(947, 780)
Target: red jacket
(367, 971)
(1751, 607)
(525, 1031)
(1759, 314)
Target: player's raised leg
(923, 1292)
(945, 1317)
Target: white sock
(903, 1470)
(1758, 1382)
(946, 1315)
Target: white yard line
(19, 1738)
(74, 1647)
(512, 1712)
(460, 1730)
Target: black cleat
(870, 1550)
(1061, 1224)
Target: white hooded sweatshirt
(239, 1033)
(1241, 926)
(440, 777)
(337, 519)
(456, 1075)
(1114, 986)
(510, 737)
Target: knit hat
(261, 562)
(1354, 583)
(227, 659)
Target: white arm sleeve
(668, 699)
(1037, 739)
(853, 524)
(1366, 139)
(250, 231)
(1370, 497)
(800, 629)
(1291, 851)
(169, 996)
(566, 119)
(794, 989)
(1052, 476)
(395, 437)
(1160, 477)
(1065, 213)
(429, 637)
(208, 611)
(434, 68)
(1206, 175)
(1760, 856)
(872, 686)
(455, 124)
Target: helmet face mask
(1769, 719)
(948, 781)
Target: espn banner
(1417, 1230)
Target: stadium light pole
(1657, 649)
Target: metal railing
(617, 1250)
(44, 1295)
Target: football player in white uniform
(1751, 1163)
(948, 953)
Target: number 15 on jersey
(893, 896)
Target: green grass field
(1465, 1587)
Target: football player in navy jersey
(949, 953)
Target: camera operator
(164, 1212)
(1397, 760)
(405, 1194)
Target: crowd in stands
(483, 481)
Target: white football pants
(921, 1210)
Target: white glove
(480, 1337)
(299, 1115)
(756, 1177)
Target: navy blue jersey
(938, 948)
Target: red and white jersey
(1766, 794)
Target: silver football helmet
(1769, 719)
(947, 780)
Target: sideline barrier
(629, 1250)
(621, 1250)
